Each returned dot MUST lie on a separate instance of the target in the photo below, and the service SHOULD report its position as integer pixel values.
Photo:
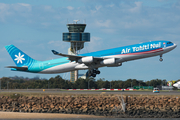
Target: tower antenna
(76, 21)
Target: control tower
(77, 37)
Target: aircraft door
(164, 45)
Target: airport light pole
(0, 83)
(149, 83)
(7, 84)
(88, 84)
(48, 84)
(139, 84)
(110, 84)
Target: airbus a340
(91, 61)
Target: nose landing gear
(161, 58)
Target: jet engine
(108, 61)
(88, 59)
(111, 61)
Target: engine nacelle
(88, 59)
(109, 61)
(112, 62)
(115, 65)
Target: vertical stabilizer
(19, 57)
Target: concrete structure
(76, 36)
(167, 87)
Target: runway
(58, 91)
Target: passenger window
(169, 43)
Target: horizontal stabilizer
(24, 68)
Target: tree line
(90, 83)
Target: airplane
(91, 61)
(177, 85)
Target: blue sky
(36, 27)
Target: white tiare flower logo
(19, 58)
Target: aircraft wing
(76, 58)
(71, 57)
(24, 68)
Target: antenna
(76, 21)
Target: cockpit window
(169, 42)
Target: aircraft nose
(174, 45)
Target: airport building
(77, 37)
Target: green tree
(80, 84)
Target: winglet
(55, 52)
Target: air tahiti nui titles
(141, 48)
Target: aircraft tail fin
(19, 57)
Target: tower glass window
(76, 27)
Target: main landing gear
(161, 58)
(94, 72)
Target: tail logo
(19, 58)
